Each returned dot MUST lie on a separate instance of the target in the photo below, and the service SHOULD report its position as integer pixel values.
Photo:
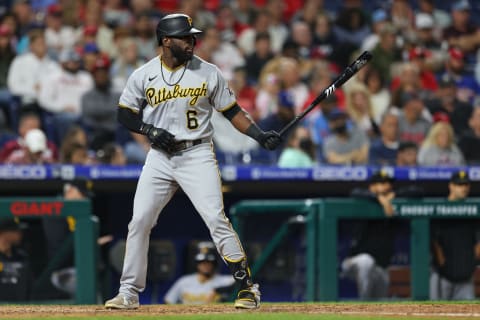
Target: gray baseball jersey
(180, 101)
(185, 108)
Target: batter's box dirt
(464, 310)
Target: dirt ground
(386, 309)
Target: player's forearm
(245, 124)
(130, 120)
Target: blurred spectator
(27, 122)
(407, 81)
(418, 56)
(467, 86)
(205, 285)
(309, 12)
(34, 151)
(89, 53)
(123, 66)
(95, 30)
(15, 273)
(290, 81)
(317, 121)
(386, 52)
(324, 39)
(228, 26)
(62, 96)
(98, 107)
(439, 147)
(359, 109)
(75, 153)
(203, 18)
(111, 154)
(115, 13)
(266, 100)
(261, 54)
(402, 17)
(260, 25)
(406, 154)
(301, 35)
(344, 146)
(7, 54)
(445, 101)
(29, 71)
(244, 10)
(455, 248)
(350, 29)
(383, 150)
(222, 53)
(299, 151)
(441, 18)
(278, 29)
(412, 125)
(244, 93)
(379, 19)
(144, 32)
(75, 135)
(24, 15)
(429, 40)
(58, 36)
(469, 142)
(282, 116)
(379, 95)
(462, 33)
(373, 242)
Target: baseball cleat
(122, 302)
(248, 298)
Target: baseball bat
(339, 81)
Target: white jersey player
(170, 100)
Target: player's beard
(180, 54)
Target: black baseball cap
(11, 224)
(381, 177)
(460, 177)
(85, 186)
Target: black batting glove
(159, 137)
(270, 140)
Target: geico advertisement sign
(23, 172)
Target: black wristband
(145, 128)
(232, 112)
(254, 131)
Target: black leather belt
(184, 144)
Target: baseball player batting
(170, 100)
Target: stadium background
(114, 194)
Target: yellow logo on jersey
(155, 97)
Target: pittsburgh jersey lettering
(155, 97)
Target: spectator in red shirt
(34, 150)
(27, 122)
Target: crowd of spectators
(64, 64)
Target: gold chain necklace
(163, 77)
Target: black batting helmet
(175, 25)
(206, 252)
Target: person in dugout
(205, 285)
(455, 245)
(15, 270)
